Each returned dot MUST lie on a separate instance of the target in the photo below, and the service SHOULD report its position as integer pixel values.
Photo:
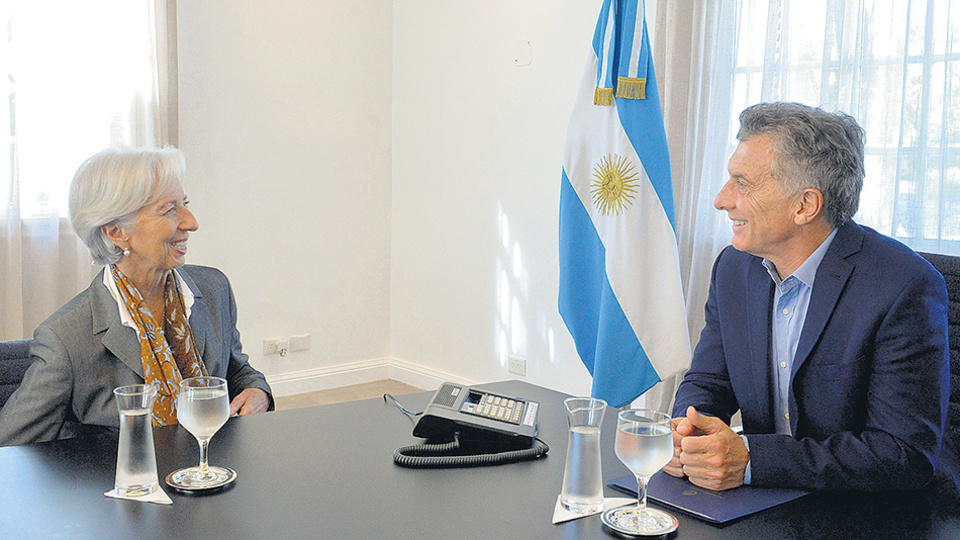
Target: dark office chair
(950, 268)
(14, 360)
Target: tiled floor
(346, 393)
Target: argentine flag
(620, 293)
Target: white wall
(285, 119)
(382, 176)
(477, 155)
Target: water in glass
(137, 474)
(136, 458)
(644, 450)
(582, 490)
(582, 478)
(204, 412)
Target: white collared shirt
(125, 318)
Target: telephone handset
(474, 427)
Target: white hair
(113, 186)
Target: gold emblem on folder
(614, 184)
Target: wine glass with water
(202, 408)
(644, 443)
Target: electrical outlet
(272, 346)
(517, 365)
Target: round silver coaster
(622, 521)
(175, 479)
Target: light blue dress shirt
(791, 298)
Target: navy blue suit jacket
(870, 381)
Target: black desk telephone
(472, 427)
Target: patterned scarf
(168, 356)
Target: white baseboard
(325, 378)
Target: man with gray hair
(828, 337)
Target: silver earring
(126, 252)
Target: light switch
(522, 52)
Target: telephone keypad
(498, 408)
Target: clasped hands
(707, 451)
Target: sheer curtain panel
(892, 64)
(694, 55)
(78, 77)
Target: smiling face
(157, 238)
(763, 216)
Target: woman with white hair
(145, 318)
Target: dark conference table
(327, 472)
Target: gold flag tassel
(632, 88)
(603, 96)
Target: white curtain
(892, 64)
(694, 55)
(77, 77)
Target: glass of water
(136, 457)
(203, 407)
(582, 490)
(644, 443)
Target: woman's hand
(250, 401)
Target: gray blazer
(82, 352)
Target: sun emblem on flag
(614, 184)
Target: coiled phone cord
(418, 455)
